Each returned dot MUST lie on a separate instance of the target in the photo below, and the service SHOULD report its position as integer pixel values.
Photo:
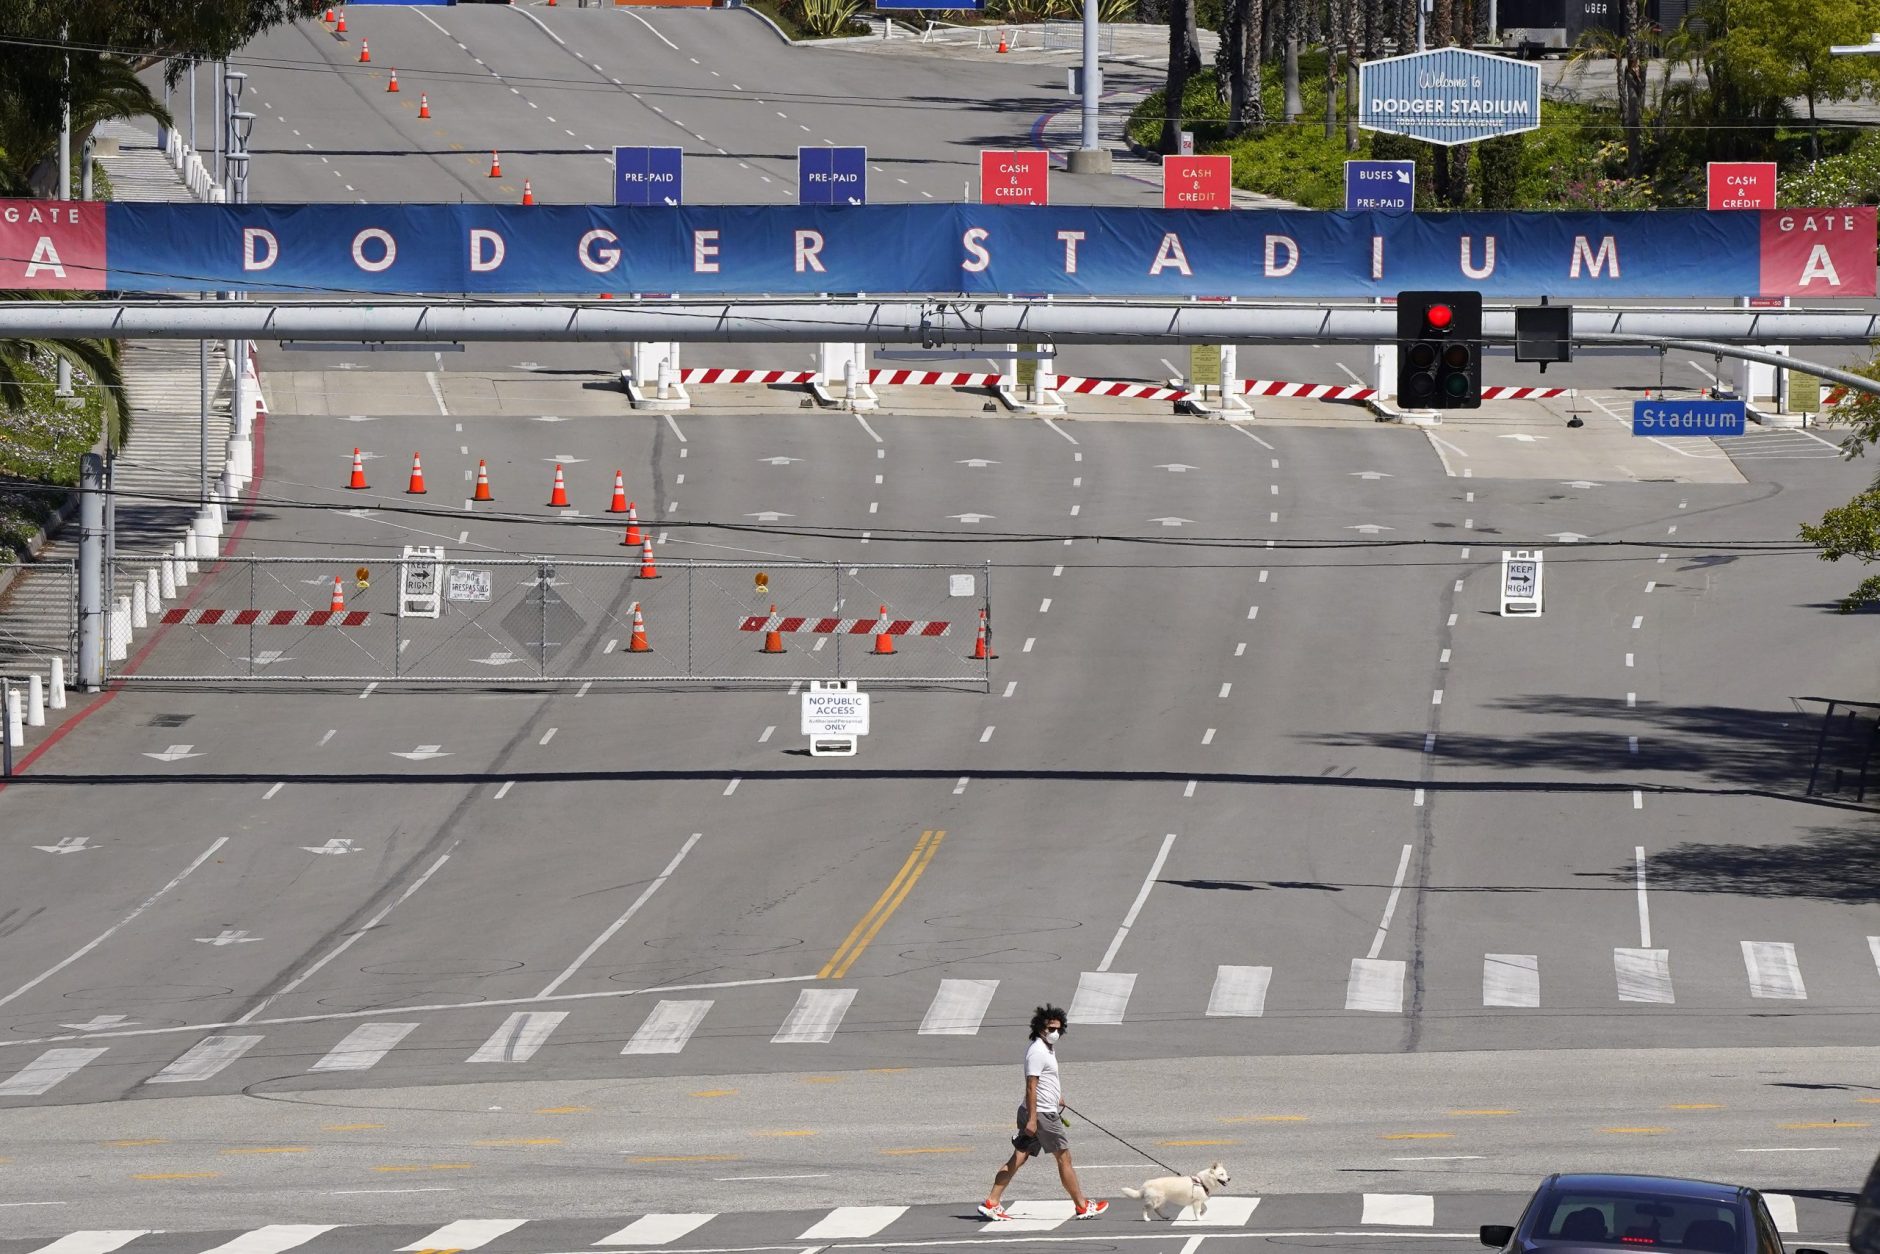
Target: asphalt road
(1332, 863)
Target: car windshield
(1639, 1220)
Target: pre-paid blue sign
(1380, 186)
(831, 176)
(649, 176)
(1667, 417)
(1449, 96)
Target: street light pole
(1091, 157)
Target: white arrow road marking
(1171, 522)
(1523, 437)
(769, 515)
(99, 1023)
(339, 844)
(497, 659)
(1177, 468)
(1371, 474)
(779, 460)
(67, 844)
(423, 753)
(565, 459)
(228, 936)
(1369, 529)
(1566, 537)
(1582, 483)
(175, 753)
(971, 518)
(977, 463)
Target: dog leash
(1119, 1140)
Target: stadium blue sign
(1669, 417)
(649, 176)
(1449, 96)
(1380, 186)
(831, 176)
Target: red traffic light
(1439, 316)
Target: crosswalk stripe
(43, 1072)
(1034, 1216)
(203, 1060)
(1239, 991)
(465, 1234)
(1643, 974)
(1405, 1210)
(96, 1241)
(1223, 1212)
(272, 1239)
(1511, 980)
(363, 1047)
(852, 1221)
(521, 1035)
(1773, 970)
(1873, 944)
(1376, 984)
(1101, 997)
(1782, 1210)
(656, 1229)
(958, 1008)
(815, 1017)
(668, 1028)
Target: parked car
(1600, 1212)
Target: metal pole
(84, 168)
(91, 572)
(193, 67)
(65, 123)
(1091, 157)
(202, 369)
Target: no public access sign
(1449, 96)
(831, 712)
(1014, 177)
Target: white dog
(1179, 1192)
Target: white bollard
(218, 519)
(665, 380)
(57, 699)
(241, 460)
(848, 378)
(192, 549)
(167, 584)
(35, 701)
(153, 589)
(16, 731)
(207, 537)
(140, 609)
(120, 647)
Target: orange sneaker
(992, 1210)
(1091, 1209)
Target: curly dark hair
(1044, 1014)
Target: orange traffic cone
(884, 640)
(647, 569)
(773, 634)
(393, 85)
(637, 642)
(1648, 394)
(1704, 392)
(496, 166)
(328, 19)
(982, 647)
(341, 28)
(619, 505)
(528, 192)
(483, 483)
(358, 480)
(365, 51)
(424, 105)
(633, 527)
(416, 487)
(1003, 45)
(559, 497)
(339, 596)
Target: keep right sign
(1742, 184)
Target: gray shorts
(1051, 1138)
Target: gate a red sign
(1014, 177)
(1197, 182)
(1818, 252)
(52, 244)
(1742, 184)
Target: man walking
(1041, 1121)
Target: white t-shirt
(1042, 1062)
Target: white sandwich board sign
(835, 715)
(1521, 573)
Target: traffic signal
(1439, 350)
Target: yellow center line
(1263, 1119)
(891, 897)
(175, 1175)
(267, 1149)
(683, 1158)
(1415, 1136)
(1695, 1106)
(1835, 1124)
(1636, 1131)
(520, 1140)
(887, 1070)
(1228, 1141)
(351, 1127)
(564, 1110)
(714, 1092)
(426, 1167)
(822, 1079)
(784, 1132)
(1867, 1099)
(1485, 1112)
(155, 1140)
(931, 1149)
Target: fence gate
(38, 618)
(507, 619)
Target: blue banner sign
(1669, 417)
(937, 248)
(1380, 186)
(1449, 95)
(831, 176)
(649, 176)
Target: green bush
(1852, 178)
(40, 446)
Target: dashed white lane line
(1207, 737)
(1631, 700)
(1135, 908)
(1044, 607)
(1628, 659)
(1253, 612)
(1436, 698)
(1638, 621)
(1452, 620)
(504, 790)
(611, 645)
(1011, 686)
(1263, 575)
(733, 785)
(1650, 584)
(764, 738)
(1443, 658)
(1056, 571)
(1029, 641)
(1631, 744)
(1458, 585)
(1189, 791)
(1429, 742)
(1240, 649)
(582, 691)
(1225, 689)
(1417, 800)
(1076, 510)
(961, 786)
(269, 794)
(871, 431)
(1638, 799)
(331, 732)
(985, 735)
(670, 421)
(368, 692)
(1251, 436)
(548, 735)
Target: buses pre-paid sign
(1449, 96)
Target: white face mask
(1051, 1036)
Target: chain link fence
(38, 617)
(479, 621)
